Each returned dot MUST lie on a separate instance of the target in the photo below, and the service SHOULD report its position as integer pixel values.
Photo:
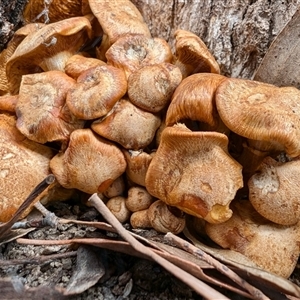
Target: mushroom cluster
(160, 134)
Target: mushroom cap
(51, 11)
(23, 165)
(261, 112)
(118, 208)
(273, 191)
(194, 172)
(5, 55)
(163, 220)
(192, 54)
(194, 99)
(96, 92)
(138, 198)
(140, 219)
(117, 188)
(151, 87)
(55, 42)
(89, 164)
(117, 20)
(128, 125)
(41, 107)
(134, 51)
(8, 103)
(274, 248)
(137, 165)
(78, 63)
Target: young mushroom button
(194, 172)
(89, 164)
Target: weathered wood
(237, 32)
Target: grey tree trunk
(237, 32)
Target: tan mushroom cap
(273, 247)
(23, 165)
(89, 164)
(192, 55)
(138, 199)
(118, 208)
(5, 55)
(273, 191)
(78, 63)
(8, 103)
(138, 162)
(41, 108)
(194, 172)
(128, 125)
(47, 49)
(117, 188)
(194, 99)
(151, 87)
(117, 19)
(261, 112)
(133, 51)
(96, 92)
(51, 11)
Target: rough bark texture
(237, 32)
(10, 19)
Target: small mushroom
(192, 55)
(273, 247)
(194, 99)
(78, 63)
(140, 219)
(194, 172)
(23, 165)
(138, 199)
(89, 164)
(117, 19)
(117, 188)
(151, 87)
(137, 165)
(273, 191)
(118, 208)
(41, 107)
(49, 48)
(128, 125)
(163, 220)
(134, 51)
(96, 92)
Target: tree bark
(237, 32)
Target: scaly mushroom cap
(117, 19)
(272, 247)
(41, 108)
(133, 51)
(23, 165)
(261, 112)
(194, 172)
(48, 49)
(77, 64)
(192, 55)
(151, 87)
(89, 164)
(51, 11)
(96, 92)
(128, 125)
(194, 99)
(273, 191)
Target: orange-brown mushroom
(134, 51)
(151, 87)
(192, 55)
(41, 107)
(117, 19)
(128, 125)
(194, 172)
(96, 92)
(272, 247)
(89, 164)
(273, 191)
(23, 165)
(49, 48)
